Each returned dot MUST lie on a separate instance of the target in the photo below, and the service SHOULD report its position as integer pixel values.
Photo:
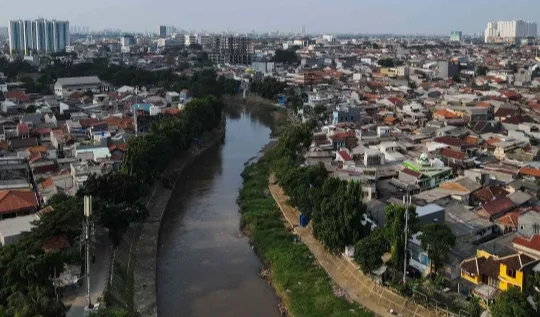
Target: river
(205, 266)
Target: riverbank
(144, 277)
(301, 283)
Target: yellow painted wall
(475, 280)
(508, 280)
(482, 254)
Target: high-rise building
(456, 36)
(128, 40)
(162, 31)
(509, 31)
(46, 36)
(230, 50)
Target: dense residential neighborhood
(414, 158)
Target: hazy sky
(358, 16)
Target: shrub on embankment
(300, 282)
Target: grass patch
(305, 288)
(120, 292)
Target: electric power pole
(88, 241)
(406, 202)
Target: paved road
(98, 278)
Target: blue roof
(141, 106)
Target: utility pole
(88, 242)
(406, 202)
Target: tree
(195, 46)
(387, 62)
(30, 109)
(511, 303)
(395, 230)
(369, 251)
(437, 240)
(481, 70)
(285, 56)
(338, 217)
(412, 85)
(474, 308)
(456, 79)
(319, 110)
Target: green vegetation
(25, 269)
(482, 70)
(286, 56)
(511, 303)
(387, 62)
(200, 84)
(269, 88)
(369, 251)
(437, 240)
(303, 285)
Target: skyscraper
(232, 50)
(456, 36)
(509, 31)
(39, 35)
(162, 31)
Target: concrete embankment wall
(147, 246)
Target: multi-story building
(46, 36)
(456, 36)
(203, 40)
(190, 39)
(509, 31)
(162, 31)
(230, 50)
(127, 40)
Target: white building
(509, 31)
(190, 39)
(38, 35)
(127, 40)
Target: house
(343, 140)
(529, 173)
(345, 113)
(424, 173)
(17, 144)
(457, 160)
(12, 229)
(17, 203)
(66, 86)
(460, 188)
(496, 208)
(345, 158)
(500, 272)
(527, 186)
(487, 194)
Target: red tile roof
(23, 128)
(498, 205)
(452, 154)
(529, 171)
(531, 243)
(120, 146)
(411, 172)
(448, 140)
(13, 201)
(345, 156)
(17, 95)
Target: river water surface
(205, 267)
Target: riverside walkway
(347, 275)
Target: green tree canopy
(437, 240)
(395, 230)
(369, 251)
(511, 303)
(481, 70)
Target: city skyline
(342, 16)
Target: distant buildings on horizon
(40, 35)
(510, 31)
